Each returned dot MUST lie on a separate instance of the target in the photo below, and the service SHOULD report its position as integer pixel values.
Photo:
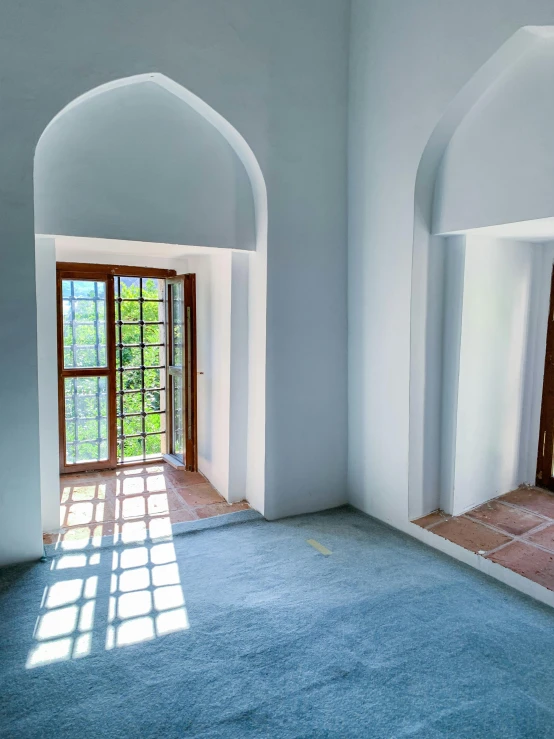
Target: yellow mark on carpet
(320, 548)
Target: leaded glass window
(140, 368)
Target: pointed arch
(427, 288)
(257, 291)
(229, 133)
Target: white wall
(47, 355)
(412, 69)
(496, 180)
(506, 145)
(442, 495)
(238, 422)
(493, 360)
(223, 350)
(213, 316)
(277, 72)
(113, 251)
(137, 163)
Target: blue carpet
(383, 638)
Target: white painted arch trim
(257, 289)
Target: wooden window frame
(100, 273)
(545, 453)
(190, 386)
(189, 375)
(115, 269)
(107, 371)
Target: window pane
(154, 334)
(152, 401)
(129, 288)
(132, 449)
(177, 395)
(132, 403)
(153, 311)
(130, 310)
(84, 323)
(153, 356)
(86, 419)
(140, 317)
(131, 380)
(154, 445)
(132, 425)
(152, 378)
(152, 288)
(129, 356)
(154, 423)
(130, 334)
(178, 324)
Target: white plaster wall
(137, 163)
(454, 265)
(277, 72)
(47, 356)
(493, 360)
(408, 63)
(238, 422)
(495, 179)
(113, 251)
(213, 318)
(506, 145)
(223, 365)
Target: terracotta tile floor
(133, 502)
(515, 530)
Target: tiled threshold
(514, 531)
(136, 504)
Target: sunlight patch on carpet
(139, 599)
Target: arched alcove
(498, 167)
(468, 178)
(137, 163)
(142, 159)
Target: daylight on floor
(278, 369)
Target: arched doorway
(187, 181)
